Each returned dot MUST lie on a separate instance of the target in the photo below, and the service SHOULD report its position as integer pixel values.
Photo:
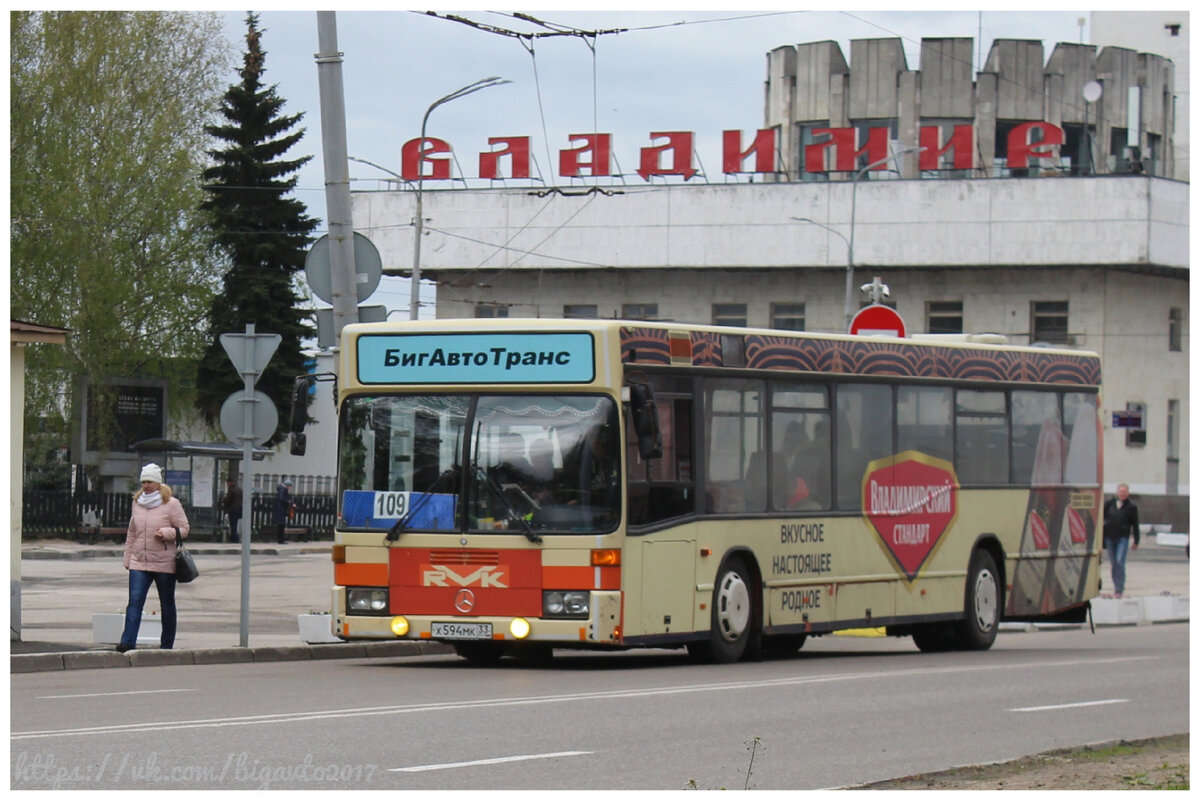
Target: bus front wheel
(734, 632)
(982, 601)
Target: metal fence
(63, 515)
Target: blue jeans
(1117, 550)
(139, 588)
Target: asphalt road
(844, 711)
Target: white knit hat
(152, 472)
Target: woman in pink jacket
(158, 522)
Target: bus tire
(481, 653)
(784, 645)
(983, 599)
(733, 634)
(934, 638)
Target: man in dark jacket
(1120, 523)
(283, 505)
(232, 506)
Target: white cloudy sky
(675, 70)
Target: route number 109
(390, 505)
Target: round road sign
(878, 319)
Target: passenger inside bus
(802, 467)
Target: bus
(512, 486)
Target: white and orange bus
(510, 486)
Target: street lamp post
(415, 291)
(853, 209)
(849, 251)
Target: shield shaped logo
(910, 499)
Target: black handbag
(185, 565)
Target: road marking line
(128, 692)
(1070, 706)
(483, 703)
(493, 761)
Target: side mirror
(645, 421)
(299, 414)
(298, 444)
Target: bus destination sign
(484, 358)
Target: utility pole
(337, 175)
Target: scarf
(150, 500)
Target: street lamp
(379, 167)
(849, 251)
(853, 209)
(850, 242)
(415, 292)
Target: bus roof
(707, 346)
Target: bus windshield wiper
(402, 524)
(513, 514)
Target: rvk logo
(442, 576)
(910, 500)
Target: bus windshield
(532, 463)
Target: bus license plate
(463, 631)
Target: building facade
(1026, 213)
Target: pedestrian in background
(1120, 523)
(232, 505)
(157, 525)
(283, 509)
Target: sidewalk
(65, 583)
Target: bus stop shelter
(196, 472)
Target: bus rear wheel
(982, 601)
(734, 630)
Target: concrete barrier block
(82, 660)
(1117, 611)
(1165, 608)
(316, 628)
(107, 629)
(1171, 538)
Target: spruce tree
(263, 233)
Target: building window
(1175, 329)
(729, 314)
(491, 310)
(639, 311)
(1172, 447)
(787, 316)
(584, 310)
(1049, 322)
(944, 317)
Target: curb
(198, 549)
(1106, 612)
(153, 657)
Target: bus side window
(864, 434)
(663, 488)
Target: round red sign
(878, 319)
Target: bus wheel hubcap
(986, 600)
(733, 606)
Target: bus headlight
(565, 603)
(519, 628)
(399, 625)
(367, 600)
